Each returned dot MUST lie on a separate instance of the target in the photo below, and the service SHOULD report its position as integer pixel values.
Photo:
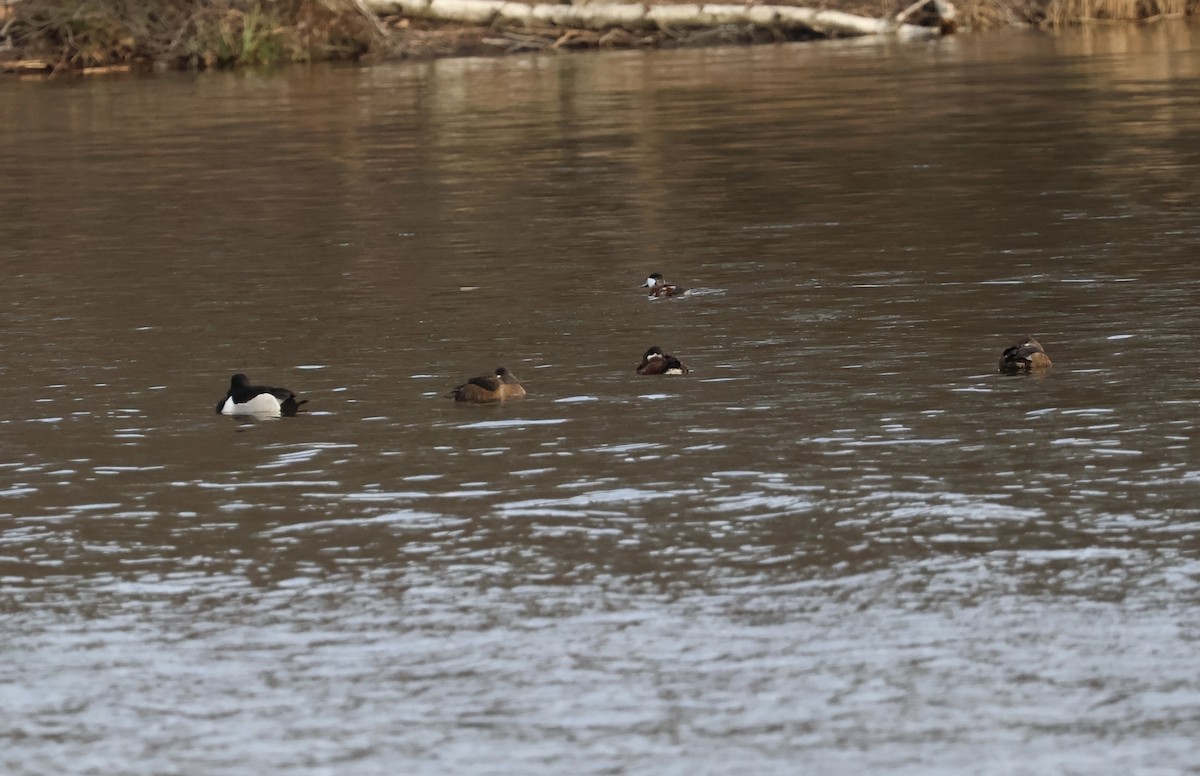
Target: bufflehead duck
(1027, 355)
(660, 288)
(500, 386)
(656, 362)
(246, 399)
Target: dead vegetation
(987, 14)
(512, 41)
(101, 35)
(186, 34)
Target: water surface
(843, 543)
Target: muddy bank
(57, 36)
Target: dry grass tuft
(1059, 12)
(985, 14)
(77, 34)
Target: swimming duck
(501, 386)
(660, 288)
(246, 399)
(656, 362)
(1027, 355)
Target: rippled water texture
(842, 544)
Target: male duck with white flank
(500, 386)
(246, 399)
(656, 362)
(1027, 355)
(660, 288)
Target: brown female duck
(500, 386)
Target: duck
(1027, 355)
(656, 362)
(660, 288)
(502, 385)
(246, 399)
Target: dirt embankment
(55, 36)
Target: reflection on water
(842, 540)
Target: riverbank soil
(55, 36)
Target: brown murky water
(842, 544)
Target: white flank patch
(263, 404)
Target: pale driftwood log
(601, 16)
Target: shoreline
(48, 37)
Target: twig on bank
(372, 19)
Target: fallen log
(599, 16)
